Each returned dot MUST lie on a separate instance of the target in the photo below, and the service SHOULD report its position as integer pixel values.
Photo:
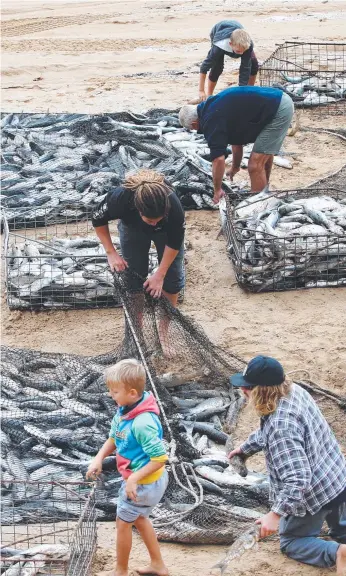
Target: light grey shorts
(270, 139)
(148, 496)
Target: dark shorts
(218, 66)
(135, 246)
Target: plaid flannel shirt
(304, 461)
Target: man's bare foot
(341, 560)
(153, 570)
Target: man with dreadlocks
(148, 210)
(306, 468)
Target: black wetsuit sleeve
(111, 207)
(175, 223)
(214, 56)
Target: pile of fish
(311, 90)
(287, 242)
(57, 167)
(56, 414)
(40, 559)
(61, 273)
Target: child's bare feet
(120, 572)
(341, 560)
(153, 570)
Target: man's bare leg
(257, 171)
(167, 346)
(123, 548)
(252, 80)
(147, 532)
(173, 298)
(268, 167)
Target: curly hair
(151, 193)
(265, 398)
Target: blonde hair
(187, 115)
(266, 398)
(240, 39)
(151, 193)
(128, 372)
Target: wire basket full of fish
(47, 527)
(312, 74)
(59, 267)
(288, 240)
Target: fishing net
(56, 414)
(336, 180)
(57, 167)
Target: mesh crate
(47, 528)
(68, 268)
(268, 262)
(313, 74)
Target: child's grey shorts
(148, 496)
(270, 139)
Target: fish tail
(221, 566)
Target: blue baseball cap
(260, 371)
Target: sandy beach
(98, 56)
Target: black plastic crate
(268, 262)
(312, 73)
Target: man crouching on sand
(136, 433)
(306, 468)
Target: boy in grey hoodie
(229, 38)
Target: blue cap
(260, 371)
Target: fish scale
(47, 472)
(37, 433)
(16, 467)
(274, 258)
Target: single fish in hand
(246, 541)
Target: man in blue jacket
(238, 116)
(228, 38)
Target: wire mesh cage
(47, 528)
(313, 74)
(56, 166)
(59, 265)
(288, 240)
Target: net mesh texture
(313, 74)
(290, 239)
(56, 414)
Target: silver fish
(246, 541)
(282, 162)
(228, 479)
